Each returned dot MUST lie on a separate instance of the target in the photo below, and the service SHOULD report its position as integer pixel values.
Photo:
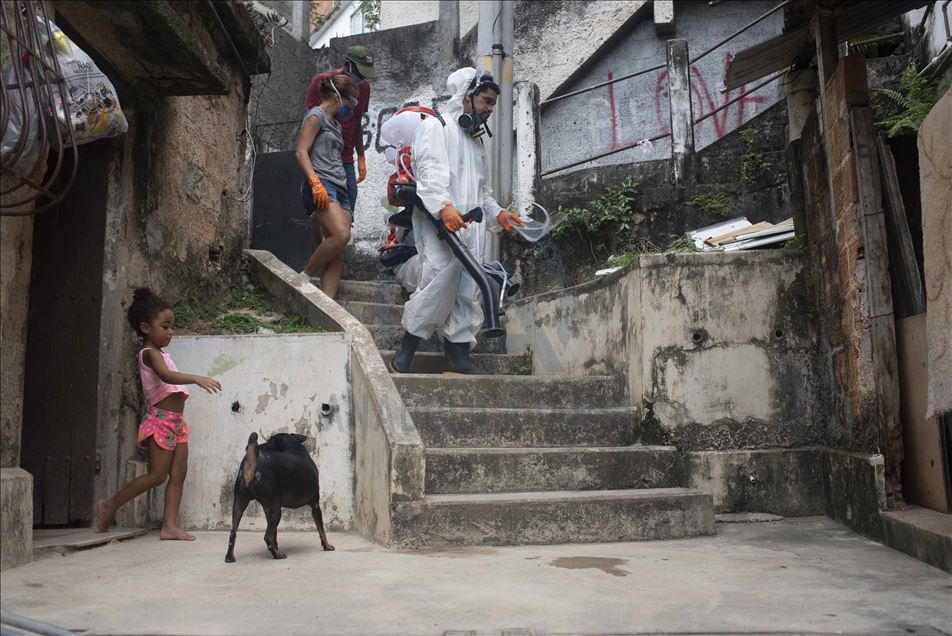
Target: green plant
(904, 109)
(609, 213)
(712, 202)
(753, 165)
(676, 244)
(610, 210)
(244, 311)
(371, 12)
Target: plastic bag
(24, 156)
(92, 105)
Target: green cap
(364, 59)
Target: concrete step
(374, 313)
(487, 470)
(510, 391)
(523, 427)
(367, 291)
(495, 363)
(388, 337)
(592, 516)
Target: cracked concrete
(807, 575)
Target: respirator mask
(471, 122)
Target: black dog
(279, 473)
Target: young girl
(318, 154)
(163, 430)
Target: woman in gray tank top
(318, 153)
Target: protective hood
(457, 84)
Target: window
(357, 21)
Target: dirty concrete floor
(791, 576)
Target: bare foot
(103, 516)
(175, 534)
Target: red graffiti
(704, 102)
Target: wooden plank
(870, 213)
(907, 291)
(923, 474)
(878, 298)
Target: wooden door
(62, 354)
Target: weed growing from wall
(676, 244)
(711, 202)
(607, 218)
(753, 165)
(242, 312)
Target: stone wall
(747, 169)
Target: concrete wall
(278, 385)
(719, 355)
(727, 350)
(935, 178)
(16, 241)
(637, 109)
(719, 348)
(389, 453)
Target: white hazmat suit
(450, 167)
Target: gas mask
(472, 122)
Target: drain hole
(696, 337)
(778, 333)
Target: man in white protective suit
(450, 165)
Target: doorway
(60, 392)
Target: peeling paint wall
(270, 384)
(717, 348)
(728, 350)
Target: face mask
(346, 110)
(355, 78)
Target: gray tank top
(326, 149)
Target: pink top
(153, 386)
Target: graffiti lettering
(703, 102)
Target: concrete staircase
(513, 458)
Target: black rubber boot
(457, 355)
(403, 358)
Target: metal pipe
(741, 96)
(32, 625)
(741, 30)
(605, 154)
(606, 83)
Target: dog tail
(251, 456)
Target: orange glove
(452, 219)
(361, 168)
(507, 220)
(321, 200)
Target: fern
(904, 109)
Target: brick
(844, 187)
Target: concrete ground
(807, 575)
